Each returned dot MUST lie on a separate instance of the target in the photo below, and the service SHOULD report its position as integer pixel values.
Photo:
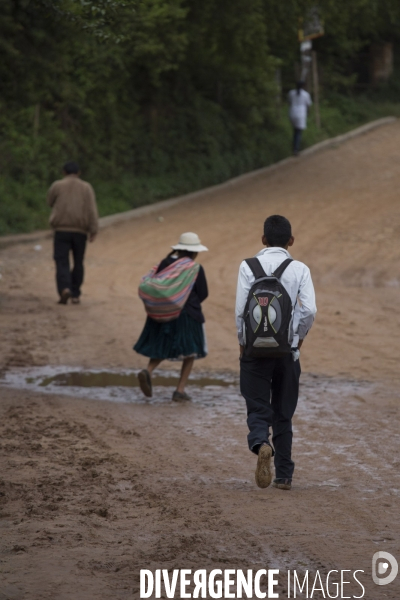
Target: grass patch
(23, 205)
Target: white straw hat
(191, 242)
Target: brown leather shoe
(263, 470)
(75, 301)
(282, 484)
(65, 296)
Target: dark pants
(270, 387)
(64, 243)
(297, 133)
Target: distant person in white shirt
(299, 103)
(270, 385)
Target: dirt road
(91, 491)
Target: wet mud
(92, 491)
(97, 379)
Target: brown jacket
(74, 206)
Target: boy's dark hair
(71, 168)
(277, 230)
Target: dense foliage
(158, 97)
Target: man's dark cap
(71, 168)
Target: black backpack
(267, 314)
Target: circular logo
(381, 561)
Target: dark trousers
(64, 243)
(297, 133)
(270, 387)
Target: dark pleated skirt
(182, 338)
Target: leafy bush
(156, 98)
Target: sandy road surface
(345, 210)
(90, 492)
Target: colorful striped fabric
(164, 294)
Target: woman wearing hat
(180, 339)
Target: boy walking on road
(74, 218)
(270, 346)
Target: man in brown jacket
(74, 218)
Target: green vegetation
(155, 98)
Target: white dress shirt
(297, 281)
(299, 103)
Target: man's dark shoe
(65, 296)
(180, 396)
(282, 484)
(263, 469)
(145, 383)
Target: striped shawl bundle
(164, 294)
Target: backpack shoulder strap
(280, 270)
(256, 267)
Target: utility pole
(316, 89)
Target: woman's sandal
(145, 383)
(180, 396)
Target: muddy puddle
(208, 389)
(111, 379)
(121, 385)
